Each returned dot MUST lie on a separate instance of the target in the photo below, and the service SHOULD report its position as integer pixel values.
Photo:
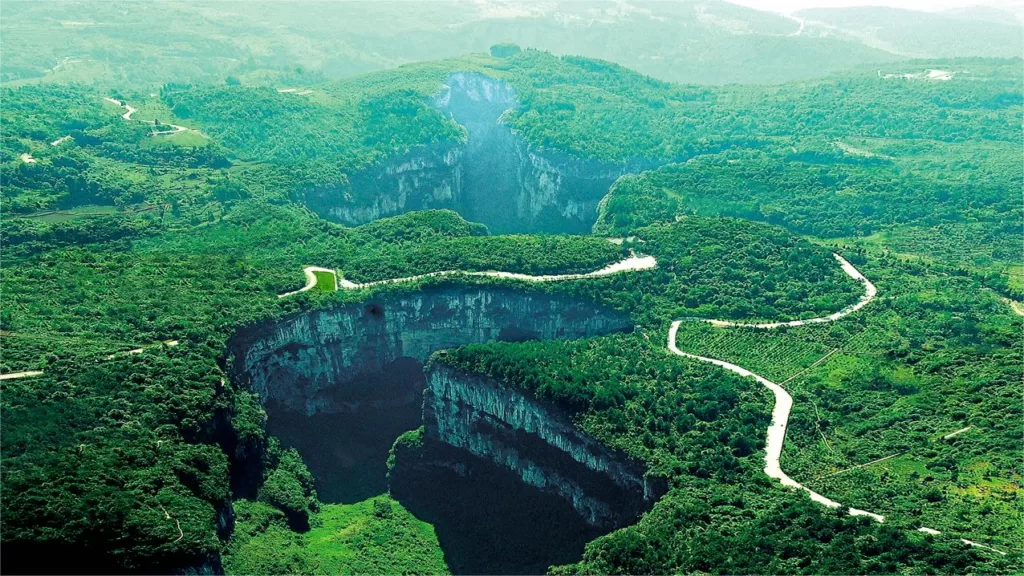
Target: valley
(511, 311)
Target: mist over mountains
(701, 42)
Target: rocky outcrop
(535, 440)
(494, 176)
(334, 359)
(423, 178)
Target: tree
(505, 50)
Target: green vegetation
(703, 430)
(114, 239)
(375, 536)
(950, 205)
(325, 281)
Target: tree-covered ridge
(601, 110)
(725, 268)
(837, 135)
(816, 195)
(596, 109)
(955, 205)
(232, 269)
(352, 130)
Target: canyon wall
(334, 359)
(535, 440)
(423, 178)
(355, 359)
(494, 177)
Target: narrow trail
(16, 375)
(1017, 307)
(957, 433)
(132, 352)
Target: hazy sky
(928, 5)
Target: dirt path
(957, 433)
(1017, 307)
(132, 352)
(16, 375)
(633, 263)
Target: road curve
(309, 272)
(128, 116)
(869, 294)
(784, 402)
(777, 429)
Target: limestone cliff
(494, 177)
(423, 178)
(535, 440)
(333, 359)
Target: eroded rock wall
(538, 442)
(329, 360)
(494, 177)
(426, 177)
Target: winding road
(783, 401)
(776, 433)
(174, 128)
(631, 264)
(869, 294)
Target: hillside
(913, 34)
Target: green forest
(131, 259)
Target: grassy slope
(376, 536)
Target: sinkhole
(510, 485)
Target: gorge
(341, 384)
(494, 177)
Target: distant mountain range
(703, 42)
(978, 31)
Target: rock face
(536, 441)
(423, 178)
(333, 360)
(357, 356)
(494, 177)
